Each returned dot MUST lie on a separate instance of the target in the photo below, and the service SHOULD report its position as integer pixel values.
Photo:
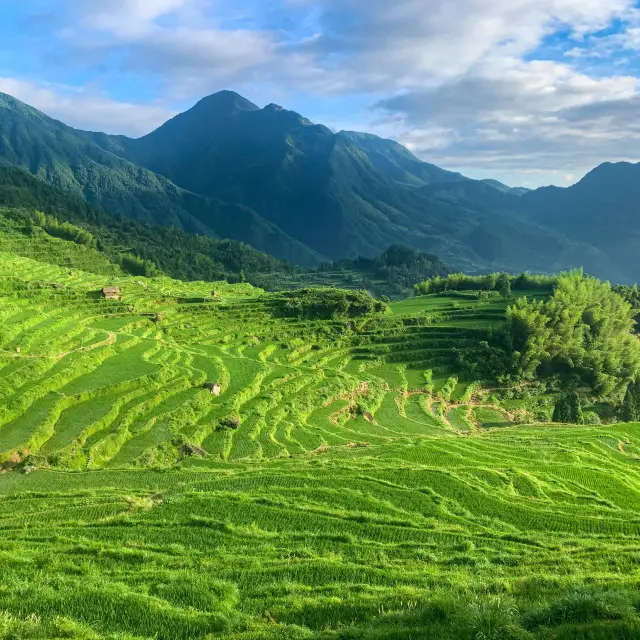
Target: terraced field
(333, 489)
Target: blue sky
(530, 92)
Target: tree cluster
(399, 267)
(325, 304)
(504, 283)
(585, 330)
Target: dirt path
(111, 339)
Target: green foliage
(325, 304)
(64, 230)
(188, 256)
(137, 266)
(584, 329)
(568, 409)
(399, 268)
(322, 495)
(631, 403)
(448, 388)
(503, 285)
(632, 296)
(428, 381)
(501, 282)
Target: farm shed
(111, 293)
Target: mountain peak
(225, 103)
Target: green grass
(335, 510)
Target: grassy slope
(308, 521)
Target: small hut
(214, 388)
(363, 387)
(111, 293)
(214, 294)
(369, 417)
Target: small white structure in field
(214, 388)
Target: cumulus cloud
(88, 110)
(410, 42)
(515, 115)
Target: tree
(568, 409)
(584, 329)
(631, 404)
(503, 285)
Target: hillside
(177, 253)
(603, 210)
(291, 188)
(84, 165)
(348, 482)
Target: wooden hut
(214, 294)
(214, 388)
(363, 387)
(111, 293)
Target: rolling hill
(347, 482)
(291, 188)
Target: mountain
(292, 188)
(603, 210)
(514, 191)
(97, 168)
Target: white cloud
(87, 110)
(517, 116)
(459, 80)
(125, 18)
(410, 42)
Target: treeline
(325, 304)
(64, 230)
(399, 267)
(182, 255)
(501, 282)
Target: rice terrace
(184, 460)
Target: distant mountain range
(298, 191)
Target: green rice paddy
(325, 493)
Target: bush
(231, 421)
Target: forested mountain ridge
(603, 210)
(94, 166)
(143, 247)
(295, 189)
